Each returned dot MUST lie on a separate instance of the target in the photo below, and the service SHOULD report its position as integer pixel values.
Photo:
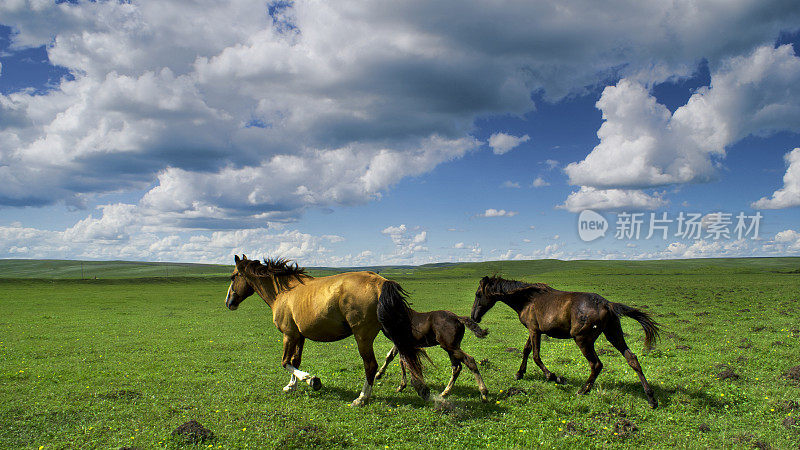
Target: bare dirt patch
(192, 432)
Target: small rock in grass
(704, 428)
(793, 373)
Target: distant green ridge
(67, 269)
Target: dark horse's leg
(586, 344)
(524, 366)
(614, 335)
(364, 339)
(536, 344)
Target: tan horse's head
(239, 289)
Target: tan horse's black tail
(650, 326)
(395, 321)
(474, 327)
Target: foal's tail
(473, 326)
(395, 321)
(650, 326)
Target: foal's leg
(536, 341)
(364, 339)
(456, 371)
(614, 335)
(586, 344)
(403, 378)
(469, 361)
(292, 354)
(389, 357)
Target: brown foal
(581, 316)
(447, 330)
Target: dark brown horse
(326, 309)
(446, 329)
(581, 316)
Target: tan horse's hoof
(359, 402)
(315, 383)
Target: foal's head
(483, 302)
(239, 289)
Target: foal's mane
(496, 285)
(281, 270)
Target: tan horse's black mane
(497, 285)
(280, 269)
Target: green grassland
(124, 359)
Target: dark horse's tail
(650, 326)
(473, 326)
(395, 321)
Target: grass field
(125, 359)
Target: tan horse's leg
(364, 339)
(389, 357)
(292, 354)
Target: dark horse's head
(483, 301)
(239, 289)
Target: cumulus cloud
(360, 94)
(491, 212)
(510, 184)
(113, 236)
(789, 195)
(408, 243)
(502, 143)
(605, 199)
(539, 182)
(643, 145)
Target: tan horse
(329, 309)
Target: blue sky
(397, 134)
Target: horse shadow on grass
(463, 403)
(666, 396)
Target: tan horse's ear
(244, 256)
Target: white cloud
(539, 182)
(789, 195)
(223, 127)
(510, 184)
(618, 199)
(459, 245)
(503, 143)
(643, 145)
(551, 164)
(491, 212)
(408, 243)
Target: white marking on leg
(362, 399)
(292, 384)
(303, 376)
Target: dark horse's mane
(280, 269)
(496, 285)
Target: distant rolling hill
(67, 269)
